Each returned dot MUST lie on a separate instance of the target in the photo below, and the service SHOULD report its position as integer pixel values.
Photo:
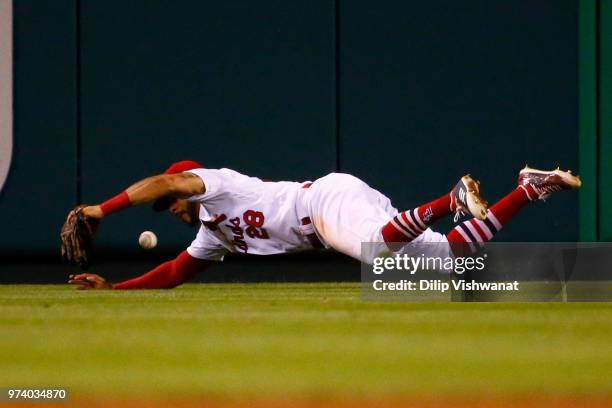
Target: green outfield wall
(431, 90)
(42, 179)
(604, 120)
(588, 102)
(407, 95)
(595, 69)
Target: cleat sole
(477, 206)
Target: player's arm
(179, 185)
(167, 275)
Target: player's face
(185, 211)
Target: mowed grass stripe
(296, 339)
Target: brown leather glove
(77, 237)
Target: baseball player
(238, 213)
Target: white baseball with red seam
(147, 240)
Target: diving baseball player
(238, 213)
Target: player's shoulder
(224, 173)
(224, 180)
(221, 170)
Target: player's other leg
(532, 185)
(464, 198)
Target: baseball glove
(77, 237)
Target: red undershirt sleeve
(167, 275)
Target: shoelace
(458, 210)
(458, 214)
(546, 191)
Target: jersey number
(255, 221)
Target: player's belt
(312, 237)
(307, 228)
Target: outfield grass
(297, 339)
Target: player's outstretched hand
(89, 281)
(93, 211)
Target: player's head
(184, 210)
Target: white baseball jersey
(246, 214)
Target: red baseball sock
(408, 225)
(474, 232)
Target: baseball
(148, 240)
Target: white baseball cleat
(544, 183)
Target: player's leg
(532, 185)
(346, 212)
(408, 225)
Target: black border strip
(597, 117)
(79, 192)
(338, 90)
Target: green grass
(296, 339)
